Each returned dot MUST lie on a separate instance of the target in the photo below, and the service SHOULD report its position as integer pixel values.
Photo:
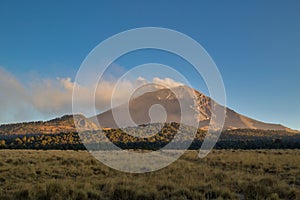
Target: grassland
(223, 174)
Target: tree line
(155, 136)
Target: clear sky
(255, 44)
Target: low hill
(65, 124)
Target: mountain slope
(139, 110)
(65, 124)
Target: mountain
(140, 105)
(139, 109)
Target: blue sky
(255, 44)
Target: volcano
(140, 106)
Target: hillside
(155, 136)
(63, 124)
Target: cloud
(47, 98)
(52, 96)
(15, 102)
(167, 82)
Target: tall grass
(223, 174)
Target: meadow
(223, 174)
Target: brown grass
(223, 174)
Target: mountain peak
(168, 98)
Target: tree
(2, 143)
(18, 141)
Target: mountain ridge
(139, 110)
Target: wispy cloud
(46, 98)
(15, 102)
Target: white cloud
(167, 82)
(15, 102)
(52, 96)
(47, 98)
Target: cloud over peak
(47, 98)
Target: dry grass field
(223, 174)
